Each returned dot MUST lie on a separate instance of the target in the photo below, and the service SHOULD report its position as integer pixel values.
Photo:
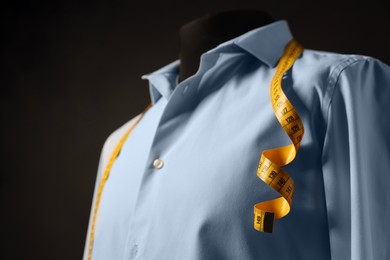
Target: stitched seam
(333, 80)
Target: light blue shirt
(208, 132)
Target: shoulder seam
(333, 79)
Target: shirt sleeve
(356, 160)
(108, 147)
(95, 191)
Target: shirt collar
(266, 43)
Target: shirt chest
(206, 176)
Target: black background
(70, 75)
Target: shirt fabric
(210, 129)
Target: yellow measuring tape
(271, 161)
(106, 174)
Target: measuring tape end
(263, 221)
(269, 218)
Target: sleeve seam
(333, 79)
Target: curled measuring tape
(271, 161)
(106, 174)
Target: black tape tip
(269, 222)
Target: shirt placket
(181, 100)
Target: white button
(158, 163)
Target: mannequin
(206, 32)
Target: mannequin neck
(206, 32)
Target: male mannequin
(206, 32)
(184, 184)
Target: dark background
(70, 74)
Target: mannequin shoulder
(332, 63)
(113, 139)
(324, 69)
